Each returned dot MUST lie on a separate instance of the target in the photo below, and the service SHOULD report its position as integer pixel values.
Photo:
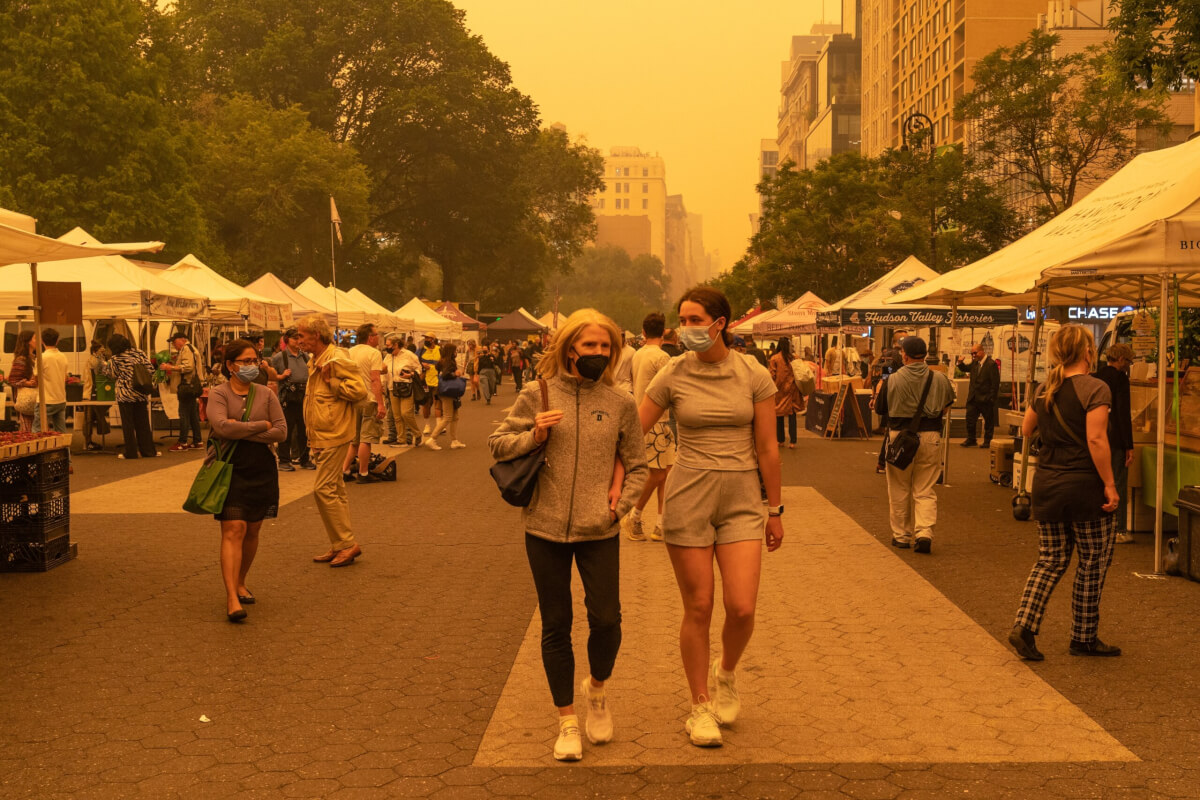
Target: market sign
(158, 305)
(922, 317)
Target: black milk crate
(36, 516)
(49, 469)
(19, 556)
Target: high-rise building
(679, 247)
(837, 120)
(917, 56)
(852, 18)
(635, 185)
(797, 97)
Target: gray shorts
(707, 507)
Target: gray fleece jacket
(599, 423)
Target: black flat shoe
(1022, 640)
(237, 616)
(1094, 648)
(246, 599)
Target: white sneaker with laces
(656, 535)
(599, 724)
(426, 431)
(635, 532)
(726, 702)
(569, 746)
(702, 726)
(432, 444)
(457, 445)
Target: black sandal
(246, 599)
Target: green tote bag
(211, 484)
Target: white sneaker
(432, 444)
(656, 535)
(599, 724)
(702, 726)
(569, 746)
(457, 445)
(426, 431)
(726, 702)
(1125, 538)
(635, 532)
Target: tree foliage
(608, 279)
(1045, 123)
(84, 137)
(1157, 41)
(837, 227)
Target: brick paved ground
(381, 680)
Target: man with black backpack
(913, 400)
(291, 365)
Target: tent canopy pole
(1033, 358)
(1161, 435)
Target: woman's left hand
(774, 533)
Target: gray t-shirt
(714, 407)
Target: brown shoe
(326, 557)
(346, 557)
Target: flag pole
(337, 322)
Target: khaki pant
(329, 492)
(912, 501)
(404, 411)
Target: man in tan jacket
(335, 388)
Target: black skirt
(254, 489)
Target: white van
(75, 340)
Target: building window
(645, 172)
(645, 204)
(616, 187)
(627, 185)
(645, 188)
(602, 202)
(627, 203)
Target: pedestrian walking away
(787, 394)
(53, 378)
(595, 468)
(335, 389)
(132, 402)
(982, 394)
(660, 439)
(1074, 495)
(912, 499)
(448, 400)
(291, 364)
(724, 403)
(241, 411)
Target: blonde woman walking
(1074, 495)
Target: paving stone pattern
(380, 680)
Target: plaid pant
(1056, 540)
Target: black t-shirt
(1066, 485)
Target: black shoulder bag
(902, 448)
(517, 477)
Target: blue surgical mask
(248, 372)
(696, 338)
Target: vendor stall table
(1183, 470)
(35, 508)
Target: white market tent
(228, 302)
(112, 286)
(796, 318)
(391, 321)
(1135, 234)
(746, 328)
(270, 286)
(348, 315)
(551, 320)
(426, 320)
(21, 248)
(872, 305)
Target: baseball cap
(914, 346)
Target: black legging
(599, 565)
(135, 427)
(791, 426)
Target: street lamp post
(917, 130)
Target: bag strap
(916, 418)
(545, 394)
(1062, 423)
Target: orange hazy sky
(696, 81)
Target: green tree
(265, 178)
(1045, 123)
(609, 280)
(1158, 43)
(432, 113)
(84, 136)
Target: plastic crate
(19, 556)
(36, 516)
(39, 472)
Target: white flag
(335, 219)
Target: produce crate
(19, 556)
(28, 447)
(36, 473)
(36, 516)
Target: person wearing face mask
(595, 469)
(724, 404)
(254, 486)
(429, 354)
(400, 368)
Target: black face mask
(591, 367)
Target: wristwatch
(775, 511)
